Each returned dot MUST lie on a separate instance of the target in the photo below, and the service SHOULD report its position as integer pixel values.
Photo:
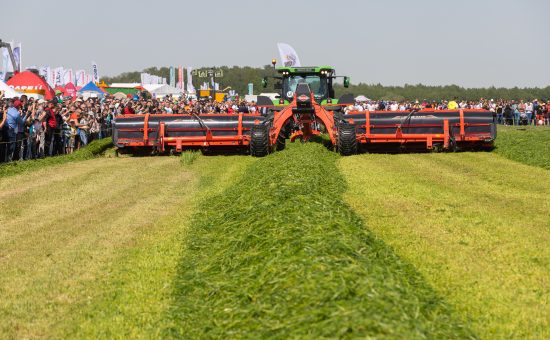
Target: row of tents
(33, 85)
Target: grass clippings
(279, 254)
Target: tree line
(238, 79)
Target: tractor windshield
(316, 83)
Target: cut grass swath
(280, 254)
(90, 151)
(188, 157)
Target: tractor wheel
(259, 141)
(347, 140)
(281, 142)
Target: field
(302, 243)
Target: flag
(6, 62)
(145, 79)
(80, 76)
(289, 57)
(68, 76)
(190, 87)
(172, 76)
(16, 49)
(43, 72)
(50, 78)
(88, 78)
(180, 78)
(58, 76)
(95, 73)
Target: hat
(41, 101)
(17, 104)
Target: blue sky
(393, 42)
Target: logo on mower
(303, 98)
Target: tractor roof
(305, 69)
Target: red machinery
(305, 109)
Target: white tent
(361, 99)
(8, 91)
(163, 90)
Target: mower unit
(306, 108)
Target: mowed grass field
(476, 225)
(302, 243)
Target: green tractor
(319, 79)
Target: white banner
(289, 57)
(6, 62)
(17, 55)
(190, 87)
(180, 78)
(95, 72)
(68, 76)
(80, 76)
(43, 72)
(50, 78)
(88, 79)
(58, 76)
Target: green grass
(90, 151)
(93, 251)
(474, 224)
(189, 157)
(526, 144)
(279, 254)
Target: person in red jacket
(129, 110)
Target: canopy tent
(91, 90)
(70, 90)
(8, 91)
(32, 85)
(120, 95)
(163, 90)
(361, 99)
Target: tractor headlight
(329, 101)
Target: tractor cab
(318, 78)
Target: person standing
(14, 120)
(452, 105)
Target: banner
(43, 72)
(95, 73)
(145, 79)
(50, 77)
(68, 76)
(58, 76)
(190, 87)
(17, 55)
(6, 63)
(172, 76)
(80, 78)
(88, 78)
(289, 57)
(180, 78)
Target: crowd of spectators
(38, 128)
(507, 112)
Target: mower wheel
(259, 141)
(347, 140)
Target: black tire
(281, 142)
(259, 141)
(347, 140)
